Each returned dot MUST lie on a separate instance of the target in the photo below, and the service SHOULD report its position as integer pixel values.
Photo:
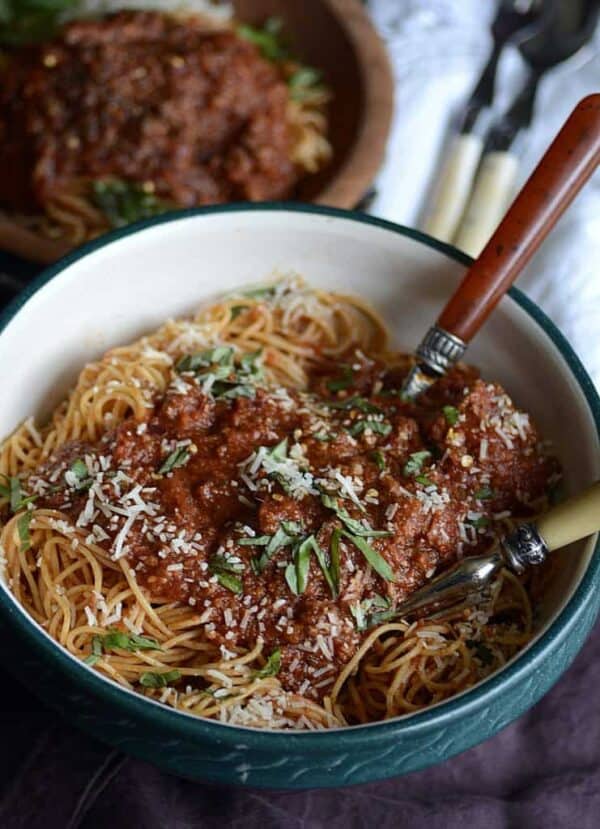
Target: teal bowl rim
(367, 736)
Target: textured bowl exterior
(205, 750)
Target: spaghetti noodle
(222, 516)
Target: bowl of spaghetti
(213, 497)
(115, 112)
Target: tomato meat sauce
(153, 99)
(294, 517)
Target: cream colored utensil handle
(492, 193)
(576, 518)
(452, 190)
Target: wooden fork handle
(568, 163)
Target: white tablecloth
(437, 48)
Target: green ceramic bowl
(128, 282)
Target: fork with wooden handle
(567, 165)
(527, 546)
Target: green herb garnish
(83, 478)
(304, 81)
(379, 459)
(424, 480)
(451, 415)
(296, 574)
(378, 427)
(12, 490)
(179, 457)
(226, 572)
(96, 651)
(480, 522)
(220, 564)
(149, 679)
(288, 534)
(354, 526)
(216, 367)
(415, 462)
(117, 639)
(124, 202)
(221, 355)
(272, 666)
(23, 530)
(357, 402)
(334, 556)
(344, 381)
(268, 39)
(230, 582)
(375, 559)
(485, 493)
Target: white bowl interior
(132, 285)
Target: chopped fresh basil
(279, 452)
(361, 404)
(354, 526)
(268, 39)
(220, 564)
(83, 478)
(288, 534)
(360, 610)
(324, 437)
(230, 582)
(124, 202)
(424, 480)
(12, 490)
(254, 541)
(480, 522)
(15, 494)
(96, 651)
(272, 666)
(375, 559)
(179, 457)
(149, 679)
(451, 415)
(334, 555)
(216, 367)
(380, 617)
(377, 427)
(379, 459)
(236, 310)
(344, 381)
(485, 493)
(260, 292)
(296, 574)
(23, 530)
(117, 639)
(415, 462)
(221, 356)
(482, 652)
(303, 81)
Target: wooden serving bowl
(338, 37)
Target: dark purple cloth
(542, 771)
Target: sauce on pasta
(291, 514)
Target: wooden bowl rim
(359, 168)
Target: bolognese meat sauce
(148, 98)
(295, 517)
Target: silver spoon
(528, 546)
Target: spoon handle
(568, 163)
(575, 518)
